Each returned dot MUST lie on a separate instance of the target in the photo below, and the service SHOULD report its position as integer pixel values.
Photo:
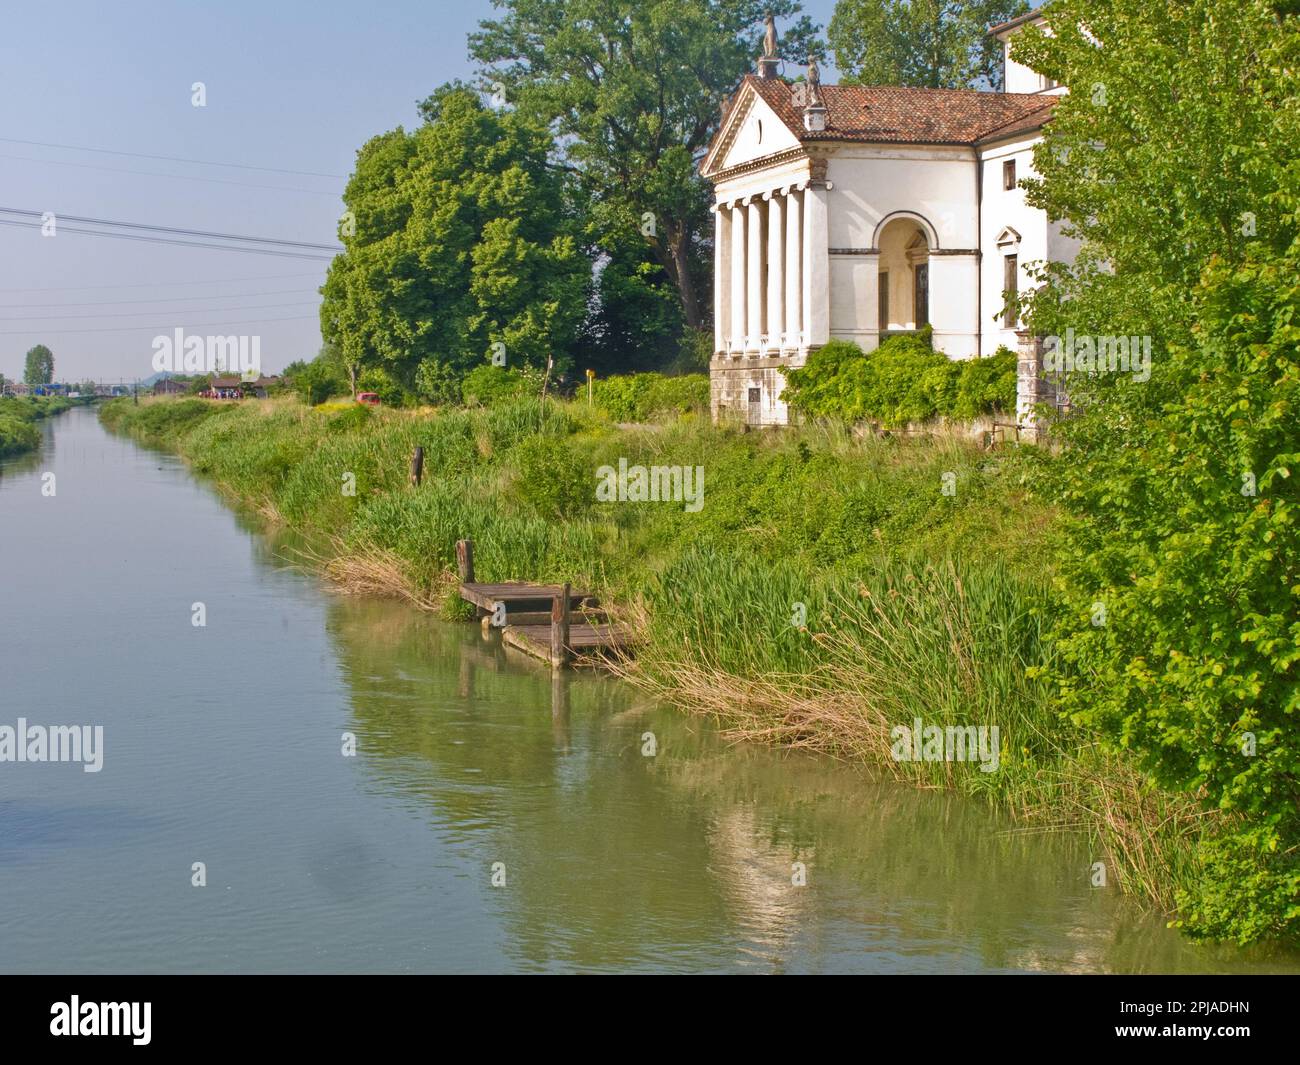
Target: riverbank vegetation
(828, 590)
(19, 432)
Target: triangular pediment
(750, 131)
(1007, 236)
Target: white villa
(854, 212)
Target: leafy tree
(317, 380)
(1179, 638)
(935, 44)
(635, 319)
(634, 90)
(463, 240)
(39, 368)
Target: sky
(290, 86)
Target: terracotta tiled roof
(895, 114)
(1024, 124)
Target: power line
(179, 177)
(170, 299)
(140, 328)
(137, 314)
(178, 243)
(280, 242)
(164, 284)
(172, 158)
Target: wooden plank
(535, 640)
(520, 596)
(581, 616)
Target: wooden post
(560, 629)
(417, 466)
(465, 560)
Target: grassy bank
(19, 432)
(829, 589)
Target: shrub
(17, 434)
(317, 381)
(435, 382)
(488, 384)
(987, 385)
(903, 380)
(553, 480)
(640, 397)
(1185, 525)
(378, 381)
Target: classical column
(793, 271)
(736, 341)
(817, 265)
(775, 323)
(754, 274)
(721, 276)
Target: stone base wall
(1035, 389)
(731, 380)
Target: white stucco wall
(1018, 77)
(1003, 209)
(872, 184)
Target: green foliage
(1151, 203)
(38, 368)
(986, 386)
(553, 480)
(381, 383)
(904, 380)
(463, 239)
(18, 415)
(488, 384)
(694, 353)
(317, 381)
(17, 434)
(642, 397)
(634, 91)
(1180, 623)
(158, 421)
(436, 382)
(934, 44)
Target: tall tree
(39, 368)
(458, 239)
(1173, 159)
(633, 90)
(934, 44)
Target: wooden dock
(548, 621)
(520, 597)
(585, 643)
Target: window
(1009, 174)
(921, 295)
(882, 310)
(1010, 290)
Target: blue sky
(290, 85)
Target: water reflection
(686, 860)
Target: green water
(223, 745)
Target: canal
(489, 820)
